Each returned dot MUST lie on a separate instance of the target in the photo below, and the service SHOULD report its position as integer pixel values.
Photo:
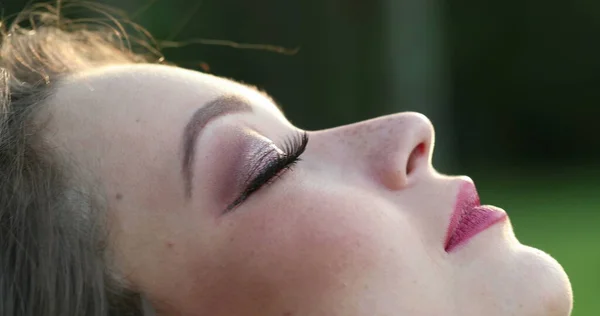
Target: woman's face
(211, 214)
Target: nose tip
(392, 150)
(423, 134)
(413, 152)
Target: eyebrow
(212, 110)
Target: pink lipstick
(470, 217)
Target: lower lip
(475, 221)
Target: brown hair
(52, 232)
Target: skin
(356, 228)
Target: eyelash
(270, 169)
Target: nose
(392, 149)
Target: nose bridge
(389, 148)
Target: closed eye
(271, 165)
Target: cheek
(308, 247)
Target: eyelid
(256, 145)
(258, 160)
(263, 170)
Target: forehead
(127, 119)
(126, 97)
(149, 84)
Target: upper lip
(467, 200)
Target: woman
(133, 188)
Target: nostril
(416, 153)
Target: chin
(548, 290)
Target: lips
(470, 217)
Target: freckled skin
(356, 228)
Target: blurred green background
(512, 86)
